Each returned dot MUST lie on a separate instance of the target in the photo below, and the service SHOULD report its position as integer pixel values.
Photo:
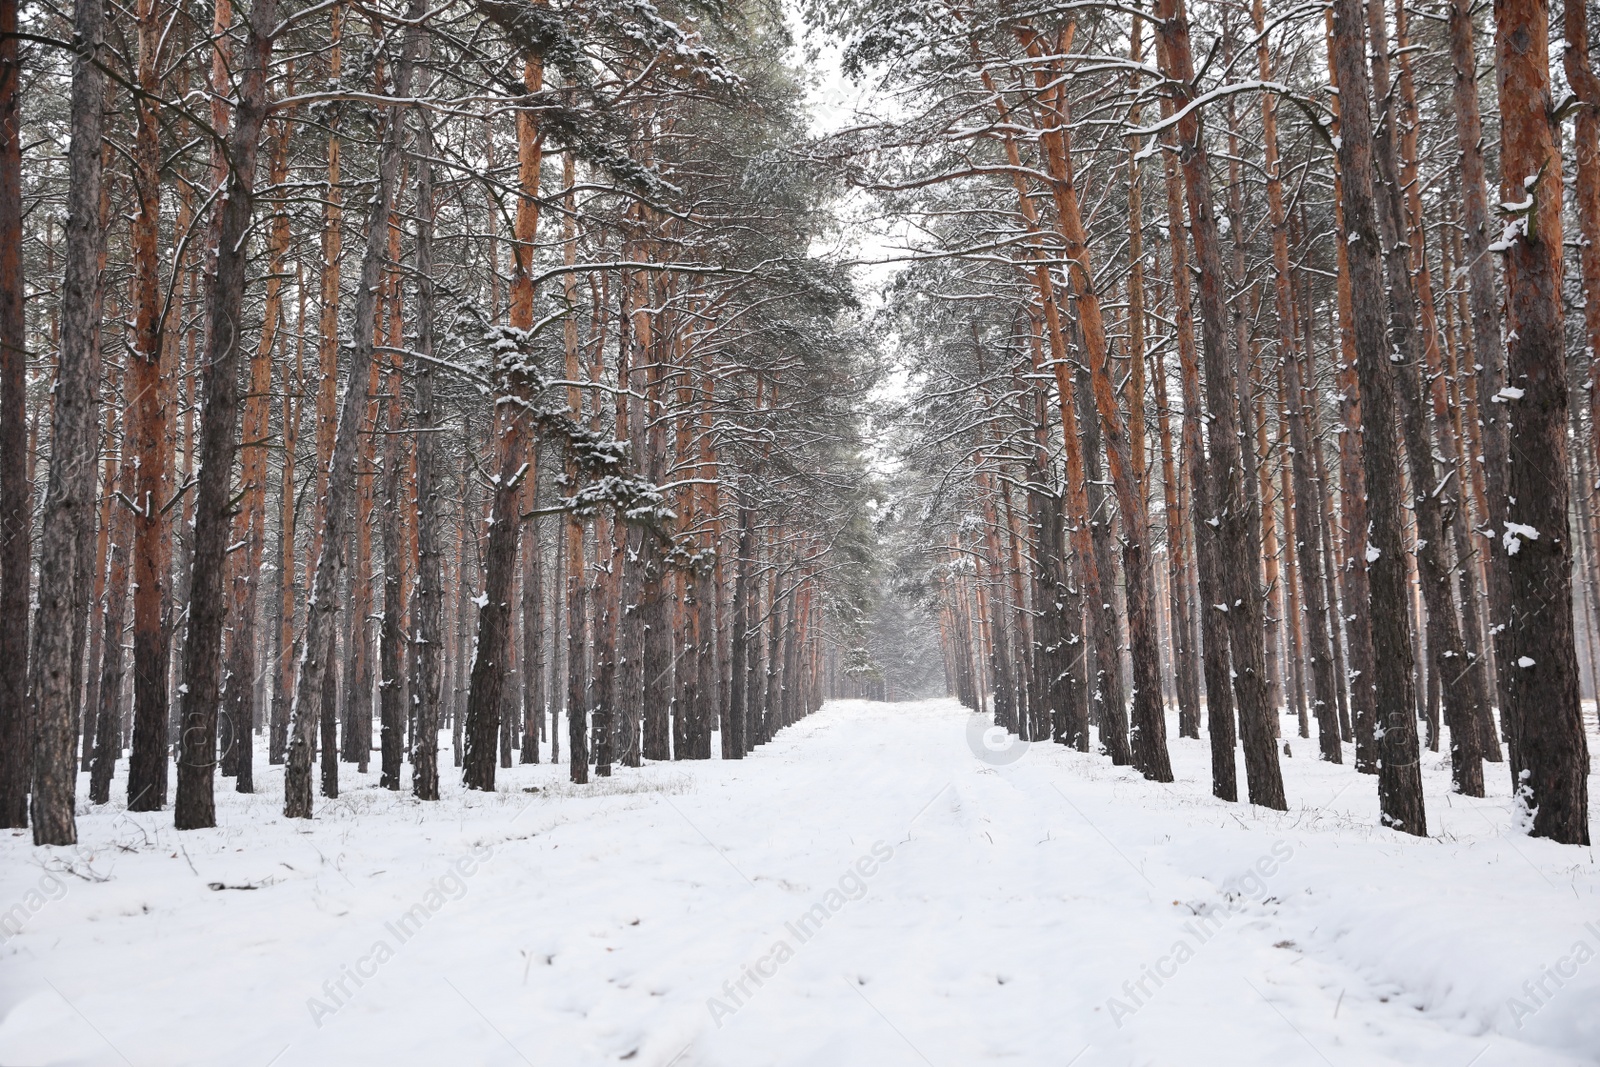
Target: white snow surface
(968, 911)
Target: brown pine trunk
(249, 527)
(608, 539)
(1148, 739)
(1586, 189)
(1307, 524)
(791, 675)
(558, 662)
(1549, 752)
(97, 605)
(1186, 679)
(293, 410)
(688, 708)
(322, 607)
(735, 726)
(221, 89)
(533, 622)
(1353, 491)
(605, 646)
(1312, 554)
(386, 412)
(500, 553)
(1399, 777)
(1463, 686)
(1133, 386)
(630, 426)
(1237, 522)
(510, 698)
(462, 626)
(687, 704)
(88, 744)
(219, 423)
(1294, 645)
(755, 678)
(328, 718)
(108, 710)
(1076, 730)
(145, 429)
(1251, 392)
(1456, 425)
(1484, 301)
(83, 577)
(108, 726)
(1023, 660)
(709, 508)
(427, 618)
(327, 400)
(1587, 560)
(183, 563)
(1057, 602)
(392, 628)
(771, 711)
(1429, 494)
(653, 607)
(1215, 654)
(1107, 705)
(15, 514)
(992, 575)
(1323, 515)
(355, 718)
(577, 588)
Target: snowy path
(998, 909)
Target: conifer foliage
(465, 368)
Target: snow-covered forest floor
(900, 900)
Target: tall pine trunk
(1237, 520)
(144, 432)
(1148, 738)
(323, 605)
(1215, 655)
(1308, 530)
(391, 634)
(494, 651)
(1429, 493)
(15, 514)
(250, 521)
(69, 496)
(1399, 776)
(533, 624)
(219, 425)
(1549, 752)
(427, 618)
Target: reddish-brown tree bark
(322, 606)
(145, 430)
(196, 804)
(1149, 732)
(1215, 657)
(1237, 523)
(1549, 751)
